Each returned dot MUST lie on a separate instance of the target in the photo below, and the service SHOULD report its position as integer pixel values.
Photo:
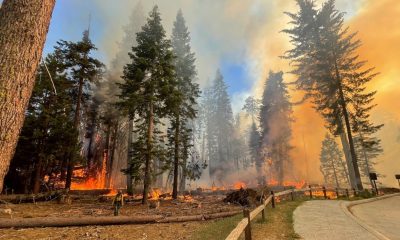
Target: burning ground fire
(298, 185)
(97, 182)
(239, 185)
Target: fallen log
(111, 220)
(32, 198)
(198, 217)
(75, 221)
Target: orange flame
(97, 182)
(239, 185)
(155, 193)
(298, 185)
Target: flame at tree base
(98, 182)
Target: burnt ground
(94, 206)
(91, 206)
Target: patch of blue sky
(70, 19)
(236, 77)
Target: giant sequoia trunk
(23, 29)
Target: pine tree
(332, 165)
(182, 103)
(84, 70)
(275, 124)
(221, 128)
(327, 67)
(18, 64)
(107, 96)
(209, 112)
(149, 80)
(254, 146)
(252, 107)
(46, 136)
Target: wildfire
(239, 185)
(298, 185)
(97, 182)
(155, 193)
(329, 194)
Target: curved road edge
(346, 209)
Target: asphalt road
(325, 220)
(382, 215)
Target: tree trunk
(112, 154)
(367, 167)
(335, 173)
(129, 152)
(71, 159)
(176, 159)
(147, 177)
(23, 29)
(347, 156)
(346, 173)
(342, 102)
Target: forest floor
(91, 206)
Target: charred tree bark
(176, 158)
(149, 148)
(23, 29)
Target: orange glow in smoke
(239, 185)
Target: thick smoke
(248, 33)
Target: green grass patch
(217, 229)
(278, 224)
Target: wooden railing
(245, 224)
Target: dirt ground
(92, 206)
(178, 231)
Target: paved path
(382, 215)
(325, 220)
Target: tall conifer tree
(275, 124)
(182, 104)
(149, 82)
(327, 66)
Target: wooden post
(292, 194)
(273, 199)
(263, 214)
(337, 192)
(347, 193)
(309, 186)
(324, 190)
(247, 232)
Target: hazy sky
(243, 39)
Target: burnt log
(244, 197)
